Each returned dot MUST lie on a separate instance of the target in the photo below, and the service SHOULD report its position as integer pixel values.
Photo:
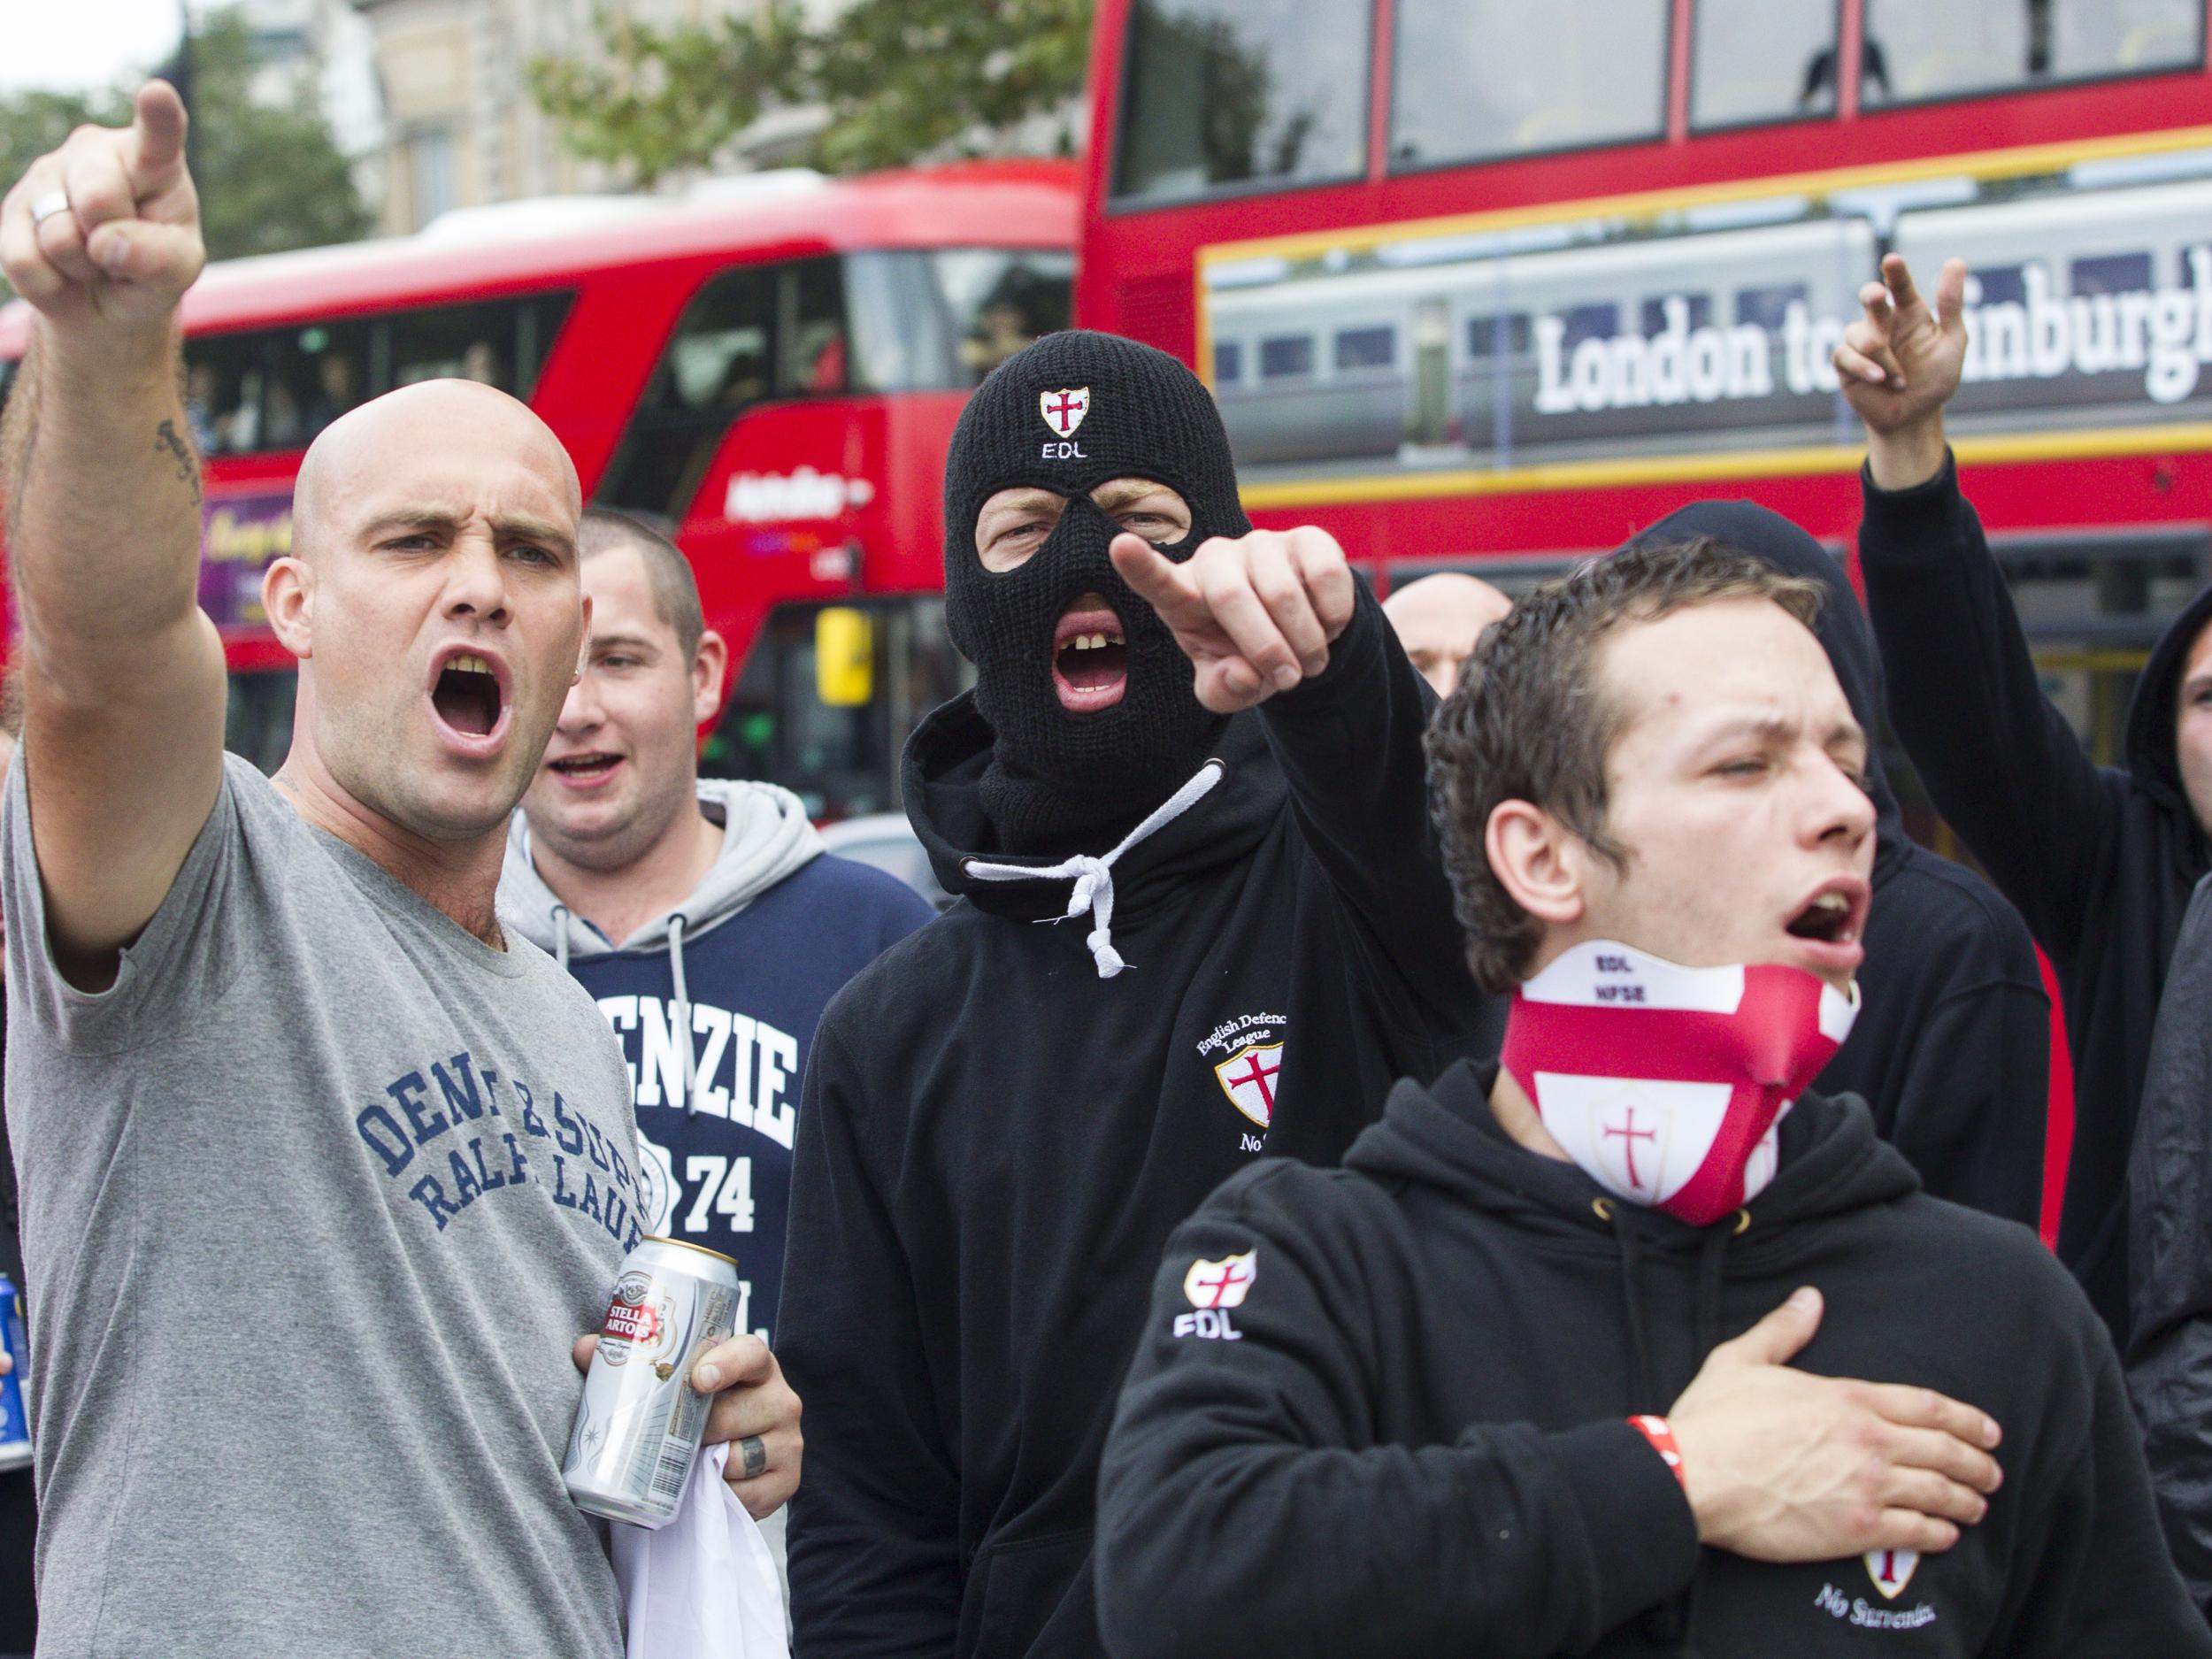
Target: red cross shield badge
(1891, 1569)
(1247, 1077)
(1220, 1284)
(1063, 409)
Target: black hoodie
(1404, 1433)
(2100, 860)
(1952, 1047)
(994, 1142)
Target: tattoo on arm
(167, 437)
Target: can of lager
(638, 1425)
(15, 1388)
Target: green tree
(901, 80)
(270, 177)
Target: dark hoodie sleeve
(2169, 1255)
(2000, 763)
(1244, 1507)
(1349, 741)
(2092, 1578)
(874, 1550)
(1971, 1096)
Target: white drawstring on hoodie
(681, 1004)
(1094, 877)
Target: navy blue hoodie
(1952, 1047)
(1382, 1410)
(716, 1004)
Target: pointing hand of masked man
(1898, 365)
(1255, 615)
(754, 1409)
(103, 235)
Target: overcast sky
(83, 43)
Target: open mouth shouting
(1830, 923)
(469, 701)
(1090, 657)
(585, 772)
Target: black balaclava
(1067, 414)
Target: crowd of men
(1458, 1125)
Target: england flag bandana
(1665, 1083)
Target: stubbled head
(1439, 619)
(433, 599)
(1654, 749)
(622, 771)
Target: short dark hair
(1529, 720)
(668, 573)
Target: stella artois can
(638, 1427)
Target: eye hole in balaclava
(1067, 414)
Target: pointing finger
(155, 150)
(1898, 275)
(1951, 295)
(1158, 580)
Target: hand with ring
(755, 1410)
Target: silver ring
(755, 1456)
(52, 203)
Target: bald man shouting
(322, 1172)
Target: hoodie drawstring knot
(1094, 876)
(560, 936)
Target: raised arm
(2000, 763)
(122, 674)
(1275, 620)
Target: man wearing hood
(1469, 1394)
(1197, 749)
(1951, 1049)
(703, 915)
(2100, 859)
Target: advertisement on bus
(1655, 336)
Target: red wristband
(1660, 1433)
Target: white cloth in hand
(703, 1586)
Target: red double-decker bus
(771, 367)
(1489, 285)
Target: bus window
(1241, 91)
(1366, 349)
(1698, 309)
(1286, 357)
(498, 342)
(1482, 77)
(1504, 334)
(316, 374)
(1228, 363)
(1916, 51)
(811, 327)
(720, 359)
(1762, 60)
(224, 375)
(941, 320)
(841, 761)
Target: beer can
(15, 1388)
(639, 1423)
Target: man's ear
(710, 664)
(287, 594)
(1539, 862)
